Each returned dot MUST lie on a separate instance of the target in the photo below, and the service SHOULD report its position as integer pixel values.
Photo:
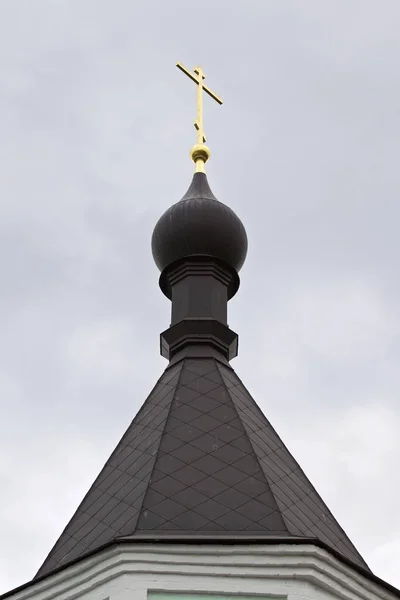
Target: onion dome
(199, 225)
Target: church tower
(201, 500)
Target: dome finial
(200, 153)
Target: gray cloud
(96, 129)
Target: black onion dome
(199, 225)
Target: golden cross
(201, 152)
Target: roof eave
(208, 540)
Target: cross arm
(196, 80)
(187, 72)
(211, 93)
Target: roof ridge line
(92, 487)
(159, 443)
(248, 437)
(347, 539)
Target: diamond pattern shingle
(199, 458)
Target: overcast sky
(96, 127)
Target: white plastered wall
(130, 572)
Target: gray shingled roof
(200, 458)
